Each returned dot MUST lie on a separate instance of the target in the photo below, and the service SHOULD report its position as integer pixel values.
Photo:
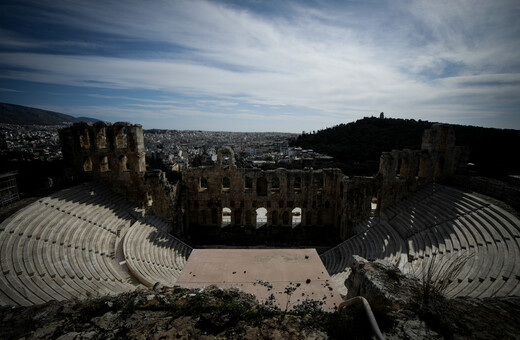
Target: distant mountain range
(23, 115)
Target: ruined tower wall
(114, 155)
(405, 171)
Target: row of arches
(258, 218)
(100, 135)
(261, 217)
(104, 164)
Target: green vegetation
(356, 147)
(436, 276)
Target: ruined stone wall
(114, 155)
(222, 201)
(405, 171)
(227, 196)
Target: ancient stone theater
(125, 227)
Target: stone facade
(224, 196)
(405, 171)
(114, 155)
(221, 202)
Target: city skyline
(253, 66)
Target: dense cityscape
(178, 150)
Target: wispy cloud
(420, 59)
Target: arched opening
(121, 140)
(398, 168)
(225, 160)
(203, 184)
(149, 199)
(101, 137)
(84, 139)
(87, 164)
(248, 184)
(226, 217)
(373, 205)
(103, 164)
(261, 217)
(275, 184)
(296, 217)
(297, 184)
(261, 186)
(123, 163)
(226, 184)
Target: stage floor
(266, 273)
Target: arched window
(203, 184)
(275, 184)
(226, 217)
(84, 139)
(248, 185)
(103, 164)
(121, 141)
(101, 137)
(261, 186)
(297, 186)
(296, 217)
(261, 217)
(87, 164)
(226, 184)
(123, 163)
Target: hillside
(23, 115)
(357, 146)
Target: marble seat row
(477, 231)
(377, 240)
(153, 255)
(48, 253)
(92, 202)
(439, 227)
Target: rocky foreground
(213, 313)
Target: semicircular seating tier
(152, 255)
(463, 240)
(68, 245)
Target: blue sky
(264, 65)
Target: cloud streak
(416, 59)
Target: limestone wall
(404, 171)
(114, 155)
(223, 200)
